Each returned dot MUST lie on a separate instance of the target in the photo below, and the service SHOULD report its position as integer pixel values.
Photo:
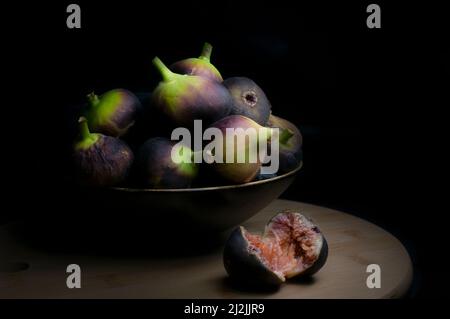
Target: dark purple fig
(234, 171)
(112, 113)
(163, 163)
(200, 66)
(185, 98)
(291, 246)
(248, 99)
(100, 160)
(290, 143)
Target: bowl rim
(209, 188)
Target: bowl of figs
(196, 152)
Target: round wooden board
(353, 245)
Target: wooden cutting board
(353, 245)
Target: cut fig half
(292, 245)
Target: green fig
(235, 171)
(112, 113)
(198, 66)
(100, 160)
(290, 143)
(157, 169)
(248, 99)
(185, 98)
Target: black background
(367, 101)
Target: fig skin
(100, 160)
(200, 66)
(248, 99)
(320, 262)
(156, 168)
(245, 267)
(112, 113)
(237, 172)
(290, 146)
(185, 98)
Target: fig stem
(93, 99)
(84, 128)
(285, 135)
(206, 52)
(166, 74)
